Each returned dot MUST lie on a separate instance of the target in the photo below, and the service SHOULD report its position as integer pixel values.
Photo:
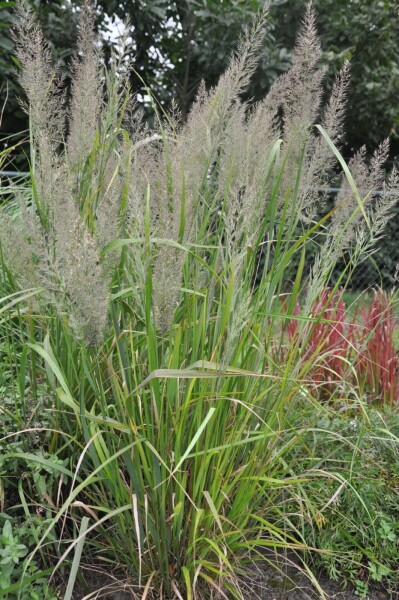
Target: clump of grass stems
(145, 292)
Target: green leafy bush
(357, 524)
(10, 552)
(13, 566)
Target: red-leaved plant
(334, 342)
(377, 365)
(325, 340)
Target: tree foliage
(366, 33)
(176, 44)
(58, 20)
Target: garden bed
(180, 395)
(264, 583)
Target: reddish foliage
(332, 341)
(378, 362)
(326, 343)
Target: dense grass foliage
(151, 381)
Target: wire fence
(376, 271)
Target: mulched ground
(263, 583)
(267, 584)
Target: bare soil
(264, 583)
(268, 584)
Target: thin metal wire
(14, 174)
(330, 190)
(367, 275)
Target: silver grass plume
(107, 189)
(349, 229)
(379, 213)
(86, 102)
(370, 178)
(45, 103)
(244, 182)
(298, 92)
(182, 168)
(19, 256)
(108, 224)
(54, 233)
(319, 161)
(295, 99)
(38, 77)
(83, 285)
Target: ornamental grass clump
(144, 298)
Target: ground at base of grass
(262, 583)
(268, 584)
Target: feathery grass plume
(45, 102)
(118, 103)
(379, 213)
(237, 75)
(289, 111)
(63, 260)
(86, 102)
(82, 279)
(38, 77)
(167, 275)
(94, 152)
(333, 119)
(57, 225)
(318, 160)
(348, 229)
(18, 257)
(182, 168)
(105, 184)
(370, 177)
(295, 97)
(108, 225)
(83, 284)
(243, 179)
